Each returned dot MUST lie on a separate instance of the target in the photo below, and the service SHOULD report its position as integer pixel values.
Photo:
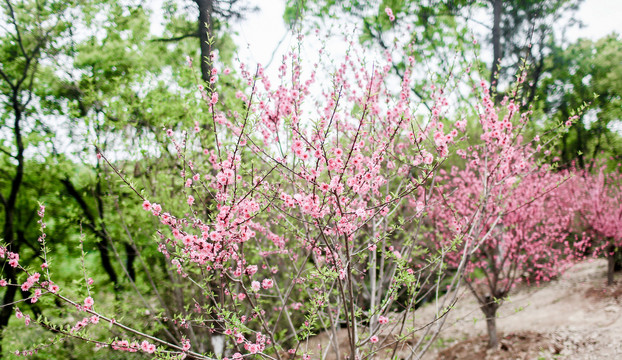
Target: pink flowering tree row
(504, 209)
(598, 200)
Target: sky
(261, 33)
(262, 36)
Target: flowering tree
(291, 224)
(299, 221)
(505, 208)
(598, 198)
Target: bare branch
(177, 38)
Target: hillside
(574, 317)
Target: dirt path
(574, 317)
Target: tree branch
(177, 38)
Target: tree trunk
(206, 8)
(496, 41)
(611, 263)
(490, 310)
(9, 218)
(130, 254)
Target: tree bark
(611, 263)
(496, 41)
(9, 217)
(490, 311)
(206, 9)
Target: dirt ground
(574, 317)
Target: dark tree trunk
(490, 311)
(611, 263)
(8, 232)
(130, 254)
(206, 8)
(496, 40)
(580, 150)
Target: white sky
(259, 35)
(263, 33)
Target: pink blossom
(147, 347)
(53, 288)
(251, 270)
(373, 339)
(88, 303)
(185, 344)
(389, 13)
(267, 283)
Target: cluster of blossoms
(13, 257)
(124, 345)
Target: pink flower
(185, 344)
(36, 296)
(3, 283)
(267, 283)
(255, 285)
(214, 99)
(53, 288)
(383, 320)
(89, 281)
(251, 270)
(88, 303)
(389, 13)
(190, 200)
(147, 347)
(146, 205)
(374, 339)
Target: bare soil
(574, 317)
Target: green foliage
(585, 80)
